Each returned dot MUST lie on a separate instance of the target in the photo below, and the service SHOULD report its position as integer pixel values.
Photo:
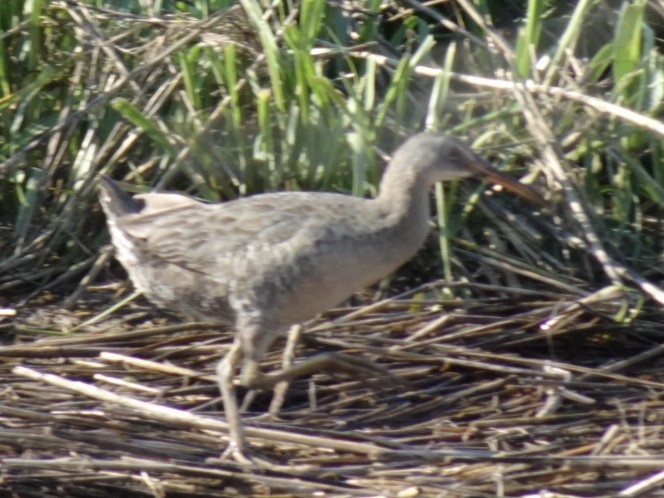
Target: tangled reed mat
(514, 393)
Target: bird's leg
(256, 343)
(252, 378)
(225, 374)
(280, 388)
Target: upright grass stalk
(305, 95)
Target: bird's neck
(403, 201)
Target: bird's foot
(237, 454)
(246, 457)
(324, 362)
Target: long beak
(483, 170)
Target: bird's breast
(325, 275)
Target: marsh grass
(222, 100)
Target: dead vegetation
(511, 393)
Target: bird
(266, 262)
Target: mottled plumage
(266, 262)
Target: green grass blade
(270, 50)
(627, 43)
(139, 119)
(528, 38)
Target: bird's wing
(199, 236)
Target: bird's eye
(454, 154)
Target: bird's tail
(115, 201)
